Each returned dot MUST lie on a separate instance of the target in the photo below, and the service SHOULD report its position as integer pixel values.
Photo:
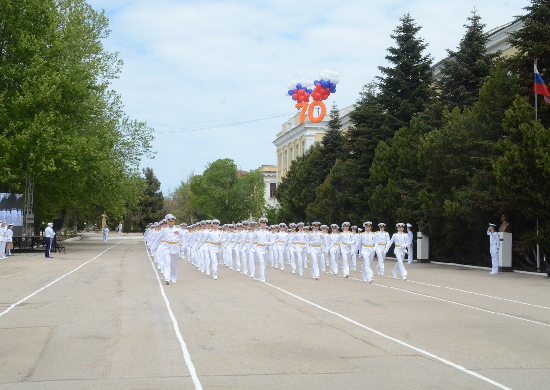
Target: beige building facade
(296, 138)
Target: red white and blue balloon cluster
(322, 88)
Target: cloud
(188, 63)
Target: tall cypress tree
(465, 70)
(333, 141)
(406, 86)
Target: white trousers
(400, 254)
(170, 266)
(345, 261)
(380, 256)
(316, 257)
(334, 255)
(368, 255)
(494, 259)
(213, 261)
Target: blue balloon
(299, 86)
(315, 82)
(324, 84)
(309, 91)
(291, 92)
(333, 89)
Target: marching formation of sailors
(247, 248)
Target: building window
(272, 188)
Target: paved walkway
(97, 317)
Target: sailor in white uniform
(382, 238)
(169, 244)
(368, 244)
(399, 240)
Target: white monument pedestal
(505, 252)
(422, 248)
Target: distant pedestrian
(9, 245)
(410, 239)
(105, 233)
(3, 239)
(49, 235)
(119, 228)
(494, 245)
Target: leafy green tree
(220, 193)
(464, 71)
(58, 112)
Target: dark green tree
(297, 189)
(464, 71)
(151, 205)
(532, 42)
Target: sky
(211, 76)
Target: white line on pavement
(52, 283)
(423, 352)
(462, 304)
(186, 354)
(481, 295)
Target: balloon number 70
(304, 107)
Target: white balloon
(291, 86)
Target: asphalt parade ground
(98, 317)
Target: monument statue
(505, 226)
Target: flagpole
(536, 177)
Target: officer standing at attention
(49, 235)
(494, 245)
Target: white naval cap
(492, 224)
(381, 224)
(367, 223)
(345, 224)
(262, 220)
(400, 224)
(169, 216)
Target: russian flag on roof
(540, 86)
